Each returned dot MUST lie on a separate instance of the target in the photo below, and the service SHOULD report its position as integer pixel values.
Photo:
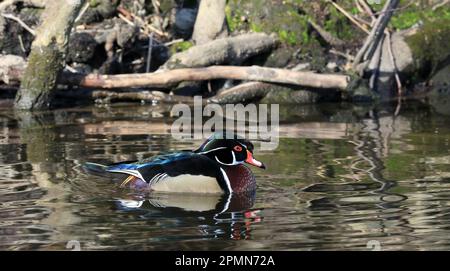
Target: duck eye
(237, 148)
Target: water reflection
(213, 203)
(342, 175)
(220, 215)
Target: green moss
(165, 5)
(39, 80)
(305, 36)
(410, 15)
(431, 45)
(269, 17)
(180, 47)
(377, 5)
(288, 37)
(94, 3)
(354, 11)
(255, 27)
(338, 25)
(405, 19)
(233, 17)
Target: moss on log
(38, 82)
(226, 50)
(47, 55)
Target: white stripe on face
(219, 148)
(233, 163)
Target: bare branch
(170, 78)
(17, 19)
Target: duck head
(229, 150)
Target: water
(344, 177)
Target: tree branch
(169, 78)
(367, 50)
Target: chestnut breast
(241, 178)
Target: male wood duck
(217, 166)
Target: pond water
(343, 177)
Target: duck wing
(177, 172)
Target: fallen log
(222, 51)
(242, 93)
(169, 78)
(273, 93)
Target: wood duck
(217, 166)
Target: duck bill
(252, 161)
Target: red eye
(237, 148)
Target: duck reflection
(219, 214)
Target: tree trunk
(210, 22)
(47, 55)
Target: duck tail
(94, 168)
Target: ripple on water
(340, 178)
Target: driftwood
(47, 55)
(19, 21)
(394, 64)
(366, 7)
(210, 23)
(222, 51)
(365, 54)
(376, 57)
(169, 78)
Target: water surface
(342, 176)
